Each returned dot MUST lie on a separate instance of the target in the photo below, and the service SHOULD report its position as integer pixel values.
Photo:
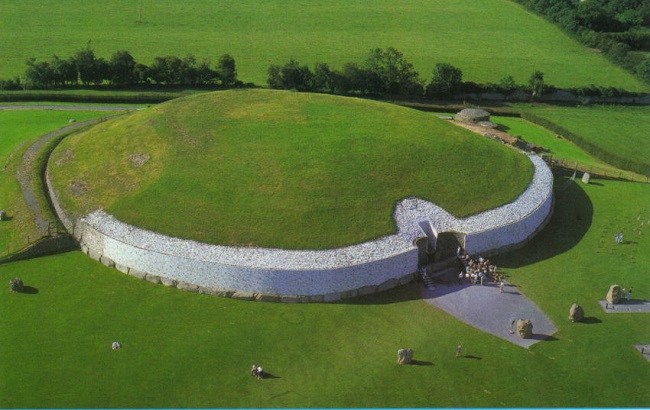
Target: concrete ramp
(489, 310)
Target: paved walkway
(644, 350)
(633, 306)
(485, 308)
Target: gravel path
(633, 306)
(65, 107)
(29, 167)
(485, 308)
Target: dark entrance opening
(446, 246)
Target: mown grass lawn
(282, 169)
(188, 350)
(488, 40)
(19, 129)
(620, 130)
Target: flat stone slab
(633, 306)
(485, 308)
(644, 350)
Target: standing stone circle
(404, 356)
(576, 313)
(525, 328)
(613, 294)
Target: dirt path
(29, 167)
(485, 308)
(487, 132)
(65, 107)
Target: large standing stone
(586, 177)
(614, 294)
(404, 356)
(576, 313)
(525, 328)
(3, 215)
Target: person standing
(459, 350)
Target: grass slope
(620, 130)
(190, 350)
(239, 167)
(488, 40)
(19, 129)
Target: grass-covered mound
(280, 169)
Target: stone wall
(306, 276)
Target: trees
(394, 73)
(122, 68)
(226, 70)
(445, 81)
(39, 74)
(536, 84)
(85, 63)
(291, 76)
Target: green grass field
(188, 350)
(239, 167)
(488, 40)
(620, 130)
(19, 129)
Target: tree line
(387, 72)
(619, 28)
(122, 70)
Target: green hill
(488, 40)
(280, 169)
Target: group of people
(477, 271)
(257, 371)
(626, 295)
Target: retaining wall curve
(294, 276)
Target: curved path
(8, 107)
(29, 167)
(485, 308)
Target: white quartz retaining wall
(498, 228)
(327, 275)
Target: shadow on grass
(268, 375)
(572, 217)
(545, 338)
(591, 320)
(420, 363)
(410, 291)
(471, 356)
(28, 290)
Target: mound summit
(279, 169)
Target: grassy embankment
(560, 148)
(488, 40)
(281, 169)
(19, 129)
(189, 350)
(620, 135)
